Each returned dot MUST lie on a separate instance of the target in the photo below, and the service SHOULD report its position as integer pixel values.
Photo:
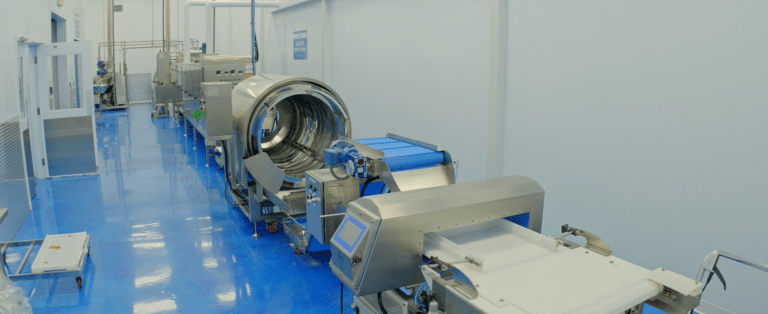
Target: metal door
(65, 110)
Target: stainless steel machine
(285, 145)
(210, 68)
(291, 163)
(114, 95)
(455, 249)
(195, 86)
(165, 95)
(367, 167)
(282, 125)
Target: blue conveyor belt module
(401, 155)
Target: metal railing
(175, 46)
(710, 265)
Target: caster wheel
(79, 282)
(297, 252)
(272, 228)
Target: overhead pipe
(187, 37)
(229, 4)
(167, 27)
(254, 44)
(111, 39)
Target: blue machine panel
(522, 219)
(374, 188)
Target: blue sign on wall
(300, 45)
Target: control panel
(230, 69)
(351, 245)
(327, 196)
(217, 103)
(230, 73)
(349, 233)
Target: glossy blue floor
(163, 239)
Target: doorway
(61, 125)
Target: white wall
(418, 69)
(645, 122)
(277, 45)
(31, 19)
(233, 31)
(19, 18)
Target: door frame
(28, 104)
(44, 112)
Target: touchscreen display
(349, 233)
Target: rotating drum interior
(292, 120)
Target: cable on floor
(341, 298)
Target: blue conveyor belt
(401, 155)
(378, 140)
(405, 151)
(389, 146)
(409, 162)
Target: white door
(65, 110)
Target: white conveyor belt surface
(521, 271)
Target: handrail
(145, 44)
(710, 262)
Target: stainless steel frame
(18, 275)
(389, 253)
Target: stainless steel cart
(65, 260)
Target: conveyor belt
(410, 162)
(401, 156)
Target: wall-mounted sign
(300, 45)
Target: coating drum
(292, 120)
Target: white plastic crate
(60, 252)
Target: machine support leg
(208, 155)
(185, 125)
(194, 138)
(255, 230)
